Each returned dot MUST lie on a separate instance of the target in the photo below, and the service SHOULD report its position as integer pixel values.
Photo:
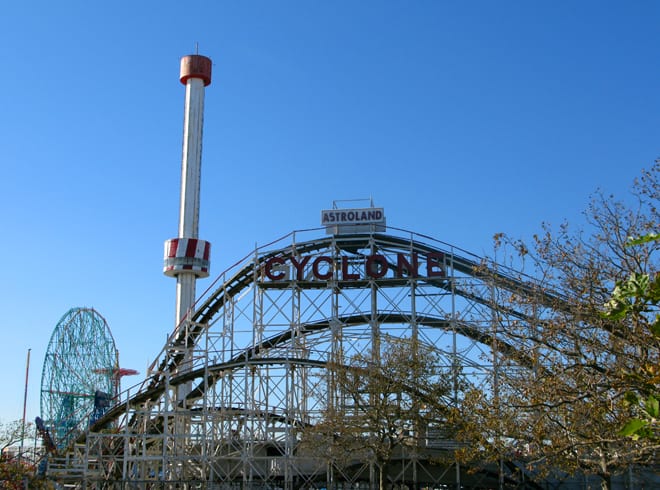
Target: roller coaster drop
(253, 353)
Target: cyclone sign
(376, 266)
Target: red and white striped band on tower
(189, 255)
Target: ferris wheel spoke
(77, 373)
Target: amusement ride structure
(243, 378)
(253, 355)
(78, 378)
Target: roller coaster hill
(241, 381)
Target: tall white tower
(187, 257)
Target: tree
(10, 434)
(636, 299)
(565, 412)
(383, 401)
(16, 470)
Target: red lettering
(346, 276)
(269, 268)
(323, 276)
(376, 266)
(434, 264)
(300, 267)
(403, 267)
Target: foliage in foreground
(592, 373)
(15, 470)
(636, 299)
(14, 474)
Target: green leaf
(652, 406)
(616, 310)
(654, 290)
(637, 285)
(650, 237)
(633, 427)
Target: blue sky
(461, 119)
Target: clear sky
(460, 118)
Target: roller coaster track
(473, 266)
(250, 357)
